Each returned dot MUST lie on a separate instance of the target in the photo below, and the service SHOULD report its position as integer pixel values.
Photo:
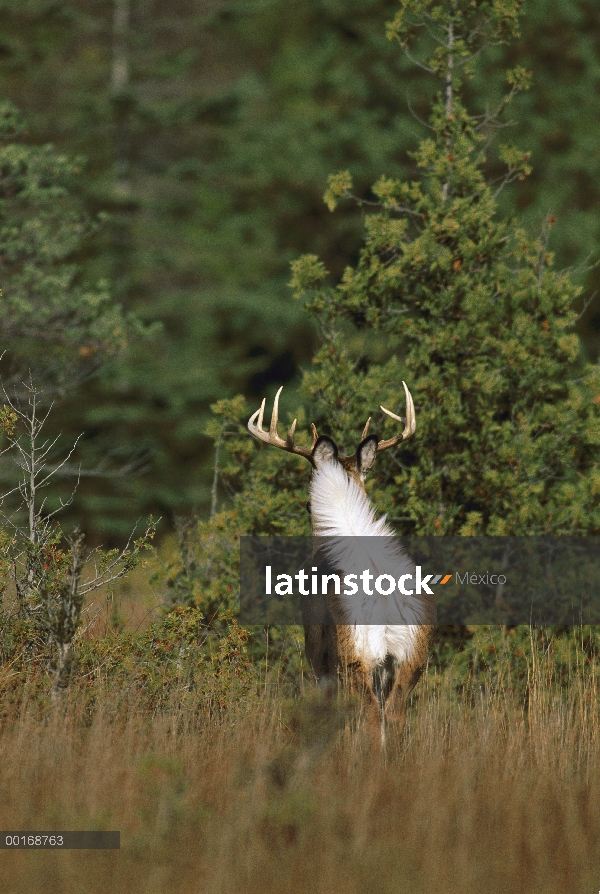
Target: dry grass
(480, 795)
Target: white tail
(383, 659)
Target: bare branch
(397, 209)
(415, 116)
(416, 61)
(134, 466)
(53, 472)
(586, 304)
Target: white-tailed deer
(382, 660)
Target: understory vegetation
(232, 784)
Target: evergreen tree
(468, 309)
(210, 130)
(54, 326)
(463, 305)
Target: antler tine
(275, 439)
(366, 429)
(255, 427)
(301, 451)
(410, 423)
(290, 435)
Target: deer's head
(324, 450)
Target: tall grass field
(238, 786)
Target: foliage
(496, 659)
(54, 326)
(467, 308)
(204, 570)
(447, 292)
(177, 661)
(48, 573)
(211, 164)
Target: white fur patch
(340, 509)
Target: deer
(381, 661)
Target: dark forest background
(196, 138)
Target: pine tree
(468, 309)
(54, 326)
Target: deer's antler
(255, 427)
(409, 427)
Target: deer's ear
(324, 451)
(365, 454)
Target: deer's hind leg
(406, 677)
(321, 649)
(383, 679)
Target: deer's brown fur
(333, 650)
